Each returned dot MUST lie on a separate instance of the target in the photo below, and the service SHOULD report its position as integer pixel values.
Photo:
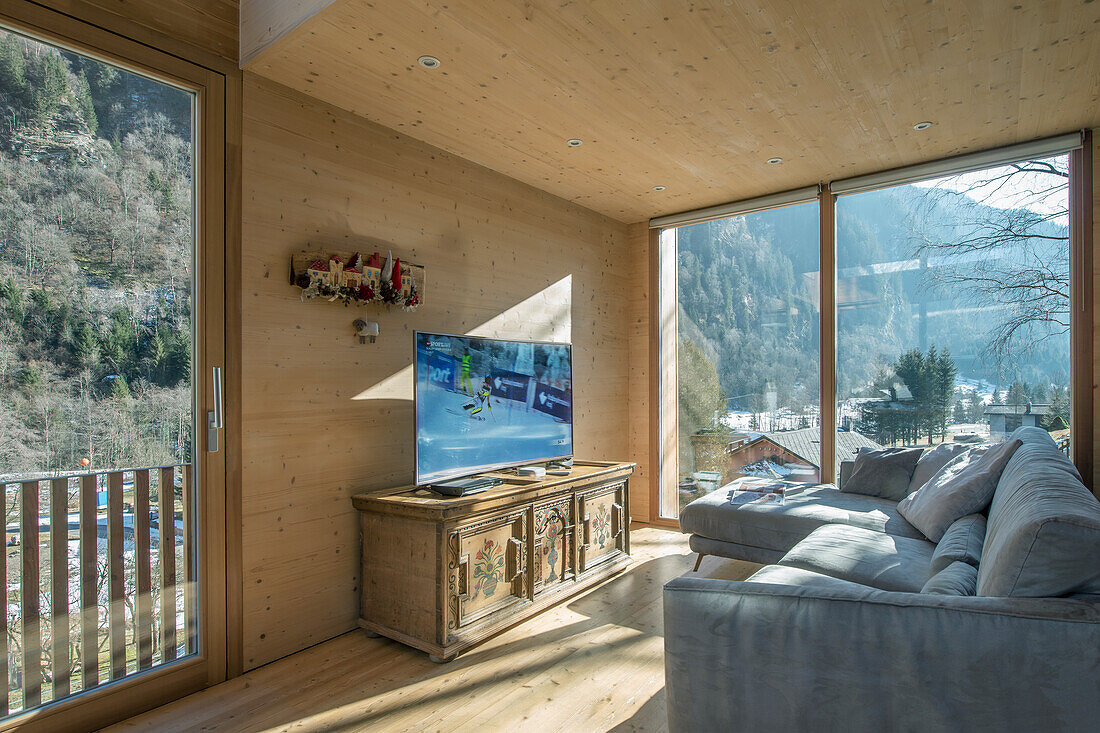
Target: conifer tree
(13, 75)
(84, 102)
(51, 82)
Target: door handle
(215, 419)
(464, 578)
(515, 547)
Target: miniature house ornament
(353, 280)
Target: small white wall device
(365, 330)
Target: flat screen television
(483, 404)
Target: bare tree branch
(1012, 261)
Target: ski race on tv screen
(486, 403)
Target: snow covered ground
(847, 411)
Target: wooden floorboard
(592, 663)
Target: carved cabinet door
(602, 516)
(553, 544)
(487, 564)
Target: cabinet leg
(371, 634)
(698, 562)
(440, 660)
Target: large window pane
(96, 406)
(748, 354)
(953, 308)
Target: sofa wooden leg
(698, 562)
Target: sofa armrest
(748, 656)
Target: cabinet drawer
(602, 513)
(487, 568)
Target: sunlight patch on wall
(545, 316)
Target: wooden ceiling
(696, 96)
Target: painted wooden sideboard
(443, 574)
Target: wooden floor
(593, 663)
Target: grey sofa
(863, 624)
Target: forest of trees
(95, 265)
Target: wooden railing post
(32, 617)
(116, 607)
(59, 574)
(189, 615)
(89, 595)
(143, 603)
(166, 520)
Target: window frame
(214, 184)
(1082, 357)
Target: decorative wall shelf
(356, 280)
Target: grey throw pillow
(932, 461)
(957, 579)
(884, 473)
(962, 541)
(964, 486)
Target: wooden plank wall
(326, 416)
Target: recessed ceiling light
(922, 125)
(774, 161)
(428, 62)
(574, 143)
(658, 188)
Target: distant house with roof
(1003, 419)
(791, 454)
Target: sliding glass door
(110, 328)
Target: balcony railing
(99, 580)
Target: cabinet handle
(617, 519)
(464, 578)
(515, 545)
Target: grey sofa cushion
(782, 575)
(962, 541)
(957, 579)
(964, 486)
(884, 473)
(779, 527)
(864, 556)
(1043, 536)
(931, 462)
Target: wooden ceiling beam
(264, 22)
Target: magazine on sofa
(751, 490)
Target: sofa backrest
(1031, 434)
(1043, 532)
